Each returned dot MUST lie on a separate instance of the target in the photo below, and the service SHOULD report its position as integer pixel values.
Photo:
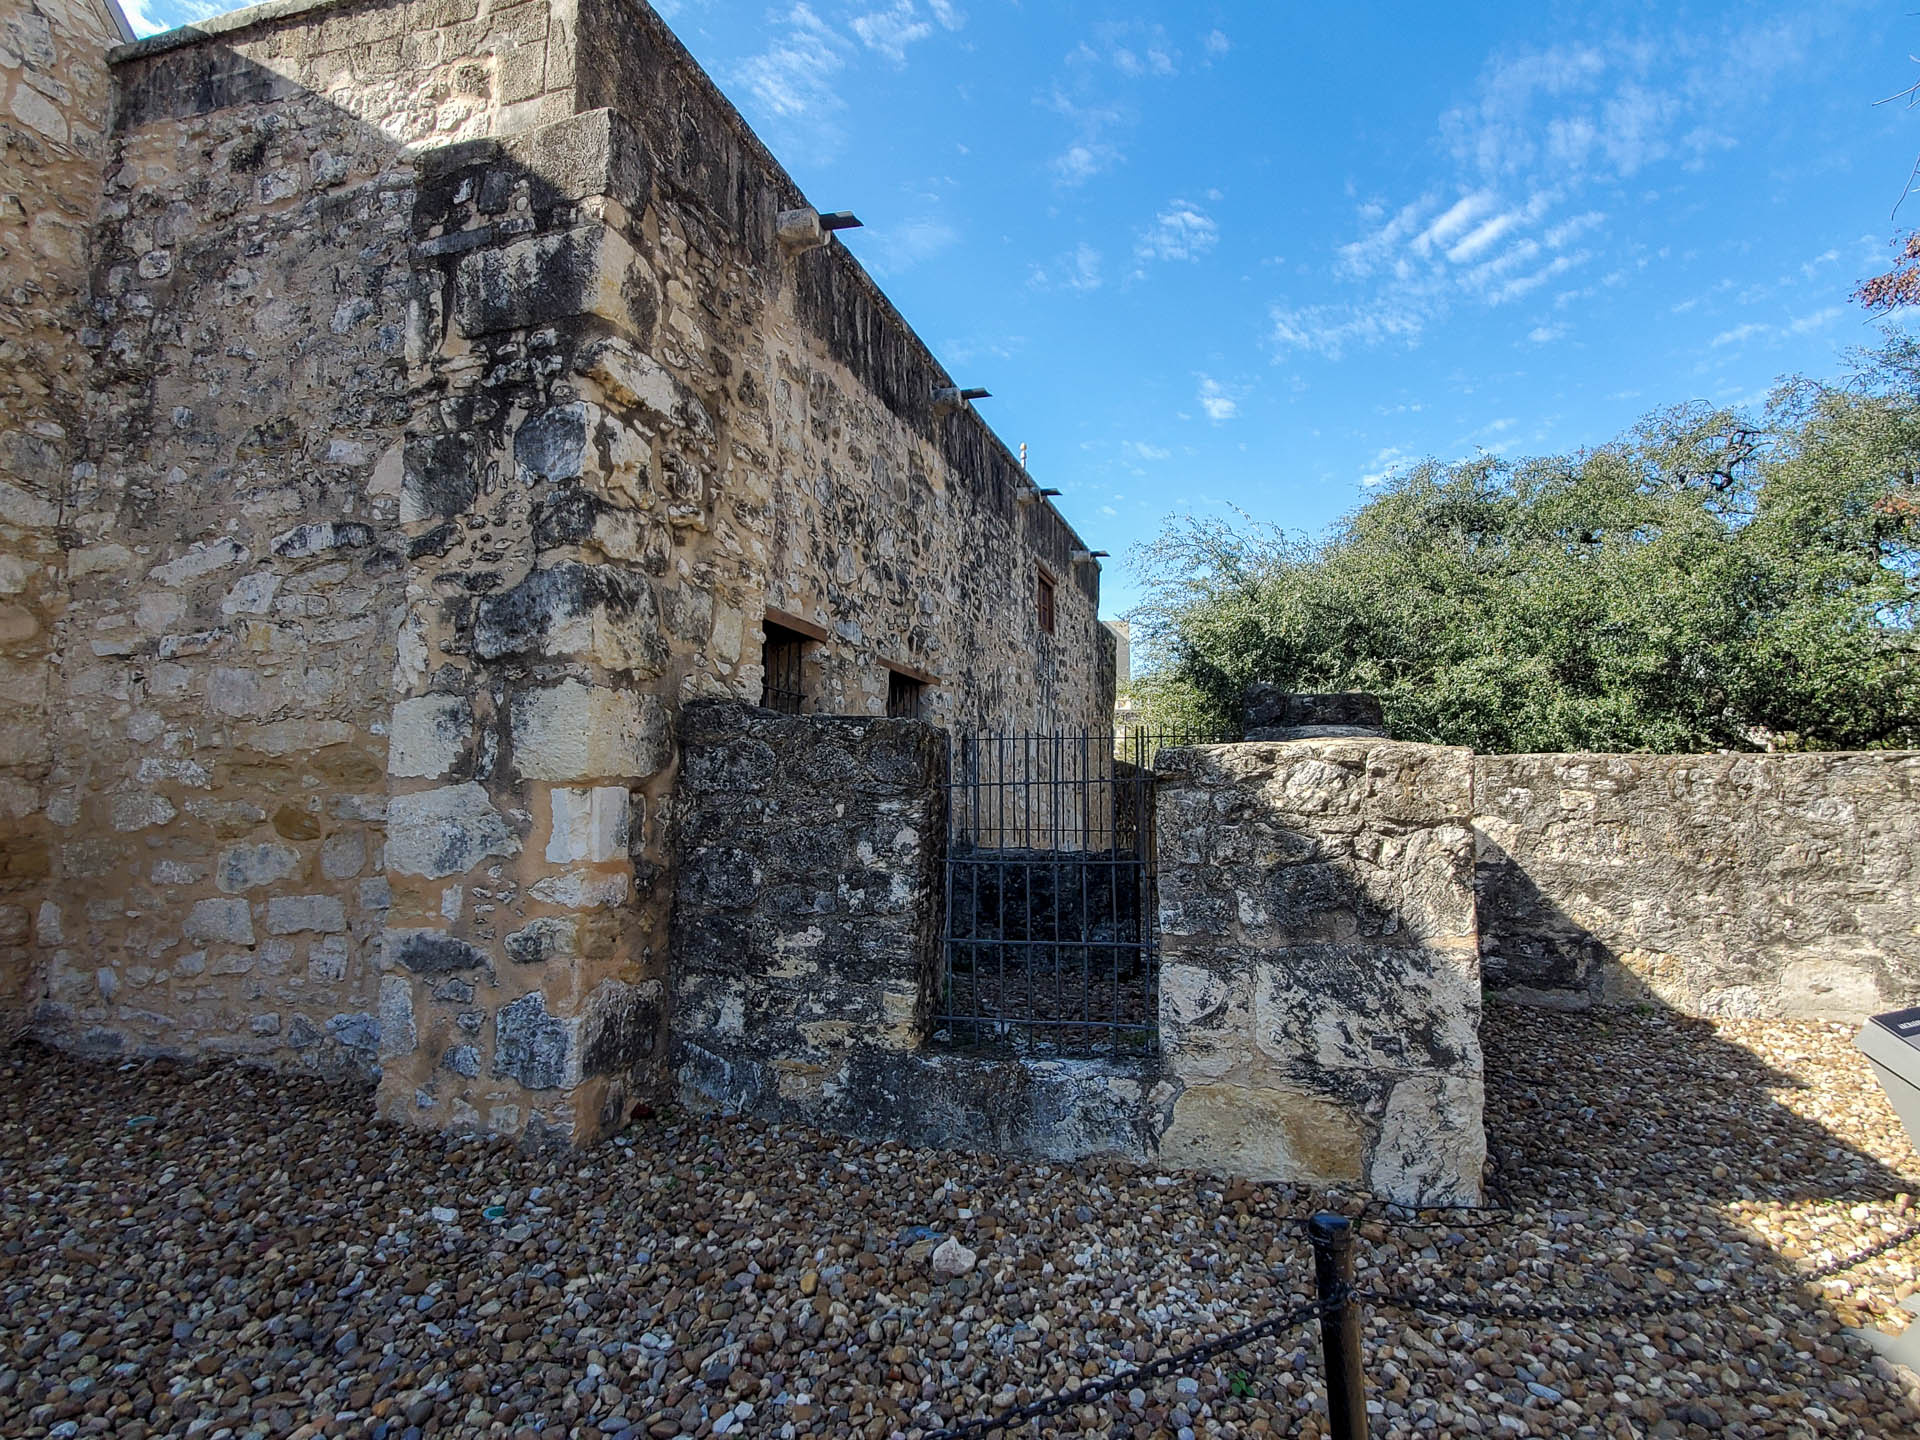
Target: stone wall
(458, 414)
(1762, 885)
(807, 928)
(240, 565)
(1319, 1003)
(1320, 988)
(54, 100)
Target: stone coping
(244, 18)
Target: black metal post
(1332, 1239)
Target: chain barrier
(1062, 1401)
(1339, 1295)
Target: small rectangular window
(903, 696)
(1044, 602)
(783, 661)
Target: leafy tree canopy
(1712, 580)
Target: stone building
(410, 404)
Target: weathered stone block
(440, 476)
(588, 825)
(1266, 1133)
(220, 920)
(448, 831)
(533, 1047)
(429, 736)
(394, 1033)
(576, 732)
(431, 952)
(542, 939)
(588, 612)
(547, 279)
(295, 914)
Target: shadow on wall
(1320, 983)
(1722, 884)
(1603, 1098)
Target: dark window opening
(783, 660)
(903, 696)
(1044, 602)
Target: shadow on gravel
(1656, 1136)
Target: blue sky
(1257, 255)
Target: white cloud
(142, 21)
(1819, 320)
(895, 249)
(1331, 330)
(1759, 330)
(1216, 43)
(1183, 231)
(1546, 334)
(1079, 163)
(1384, 464)
(1509, 209)
(1219, 401)
(1094, 105)
(891, 31)
(1141, 450)
(1078, 269)
(793, 79)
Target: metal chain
(1062, 1401)
(1065, 1400)
(1634, 1309)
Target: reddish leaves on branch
(1900, 286)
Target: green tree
(1710, 580)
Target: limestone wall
(1717, 884)
(452, 428)
(53, 119)
(1320, 989)
(1319, 1000)
(239, 570)
(847, 497)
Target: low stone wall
(1753, 885)
(1320, 991)
(1319, 1005)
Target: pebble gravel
(222, 1252)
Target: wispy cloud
(1141, 450)
(141, 19)
(891, 31)
(1182, 231)
(1332, 330)
(1384, 464)
(1078, 269)
(1521, 157)
(1764, 330)
(895, 249)
(1220, 401)
(793, 81)
(1093, 94)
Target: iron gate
(1050, 898)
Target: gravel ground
(227, 1253)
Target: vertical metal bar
(1000, 897)
(1332, 1239)
(976, 809)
